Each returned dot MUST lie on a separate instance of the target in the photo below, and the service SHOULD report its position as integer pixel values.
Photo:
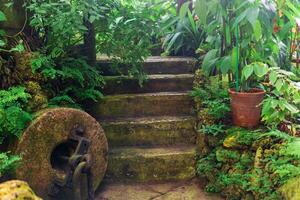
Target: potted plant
(247, 97)
(239, 39)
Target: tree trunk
(89, 47)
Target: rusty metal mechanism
(78, 166)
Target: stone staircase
(150, 130)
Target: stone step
(142, 105)
(151, 164)
(155, 131)
(152, 65)
(154, 83)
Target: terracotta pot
(246, 107)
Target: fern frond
(292, 149)
(13, 96)
(278, 134)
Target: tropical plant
(234, 30)
(283, 100)
(183, 33)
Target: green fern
(8, 163)
(292, 149)
(13, 96)
(278, 134)
(13, 117)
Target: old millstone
(16, 190)
(47, 137)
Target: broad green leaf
(260, 69)
(2, 43)
(257, 30)
(252, 15)
(293, 109)
(247, 71)
(201, 11)
(273, 77)
(2, 17)
(183, 10)
(225, 65)
(209, 60)
(173, 40)
(278, 84)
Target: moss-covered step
(154, 83)
(152, 65)
(150, 131)
(142, 105)
(151, 164)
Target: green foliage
(240, 174)
(8, 163)
(13, 117)
(215, 99)
(71, 81)
(283, 99)
(3, 39)
(183, 34)
(126, 34)
(214, 130)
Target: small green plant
(185, 34)
(8, 163)
(13, 116)
(215, 99)
(214, 130)
(283, 100)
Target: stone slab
(154, 83)
(142, 105)
(154, 65)
(151, 164)
(187, 190)
(155, 131)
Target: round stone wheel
(47, 134)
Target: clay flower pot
(246, 107)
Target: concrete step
(152, 65)
(142, 105)
(155, 131)
(154, 83)
(151, 164)
(179, 190)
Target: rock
(202, 147)
(16, 190)
(291, 190)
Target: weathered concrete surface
(16, 190)
(155, 65)
(142, 105)
(52, 128)
(151, 164)
(150, 131)
(189, 190)
(154, 83)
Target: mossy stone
(291, 190)
(16, 190)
